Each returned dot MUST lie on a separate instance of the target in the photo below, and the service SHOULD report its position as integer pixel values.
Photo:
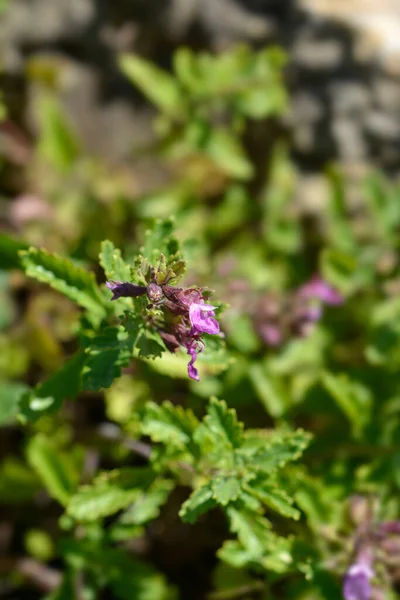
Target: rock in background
(343, 74)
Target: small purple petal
(201, 321)
(320, 289)
(192, 371)
(123, 289)
(356, 585)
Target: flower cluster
(187, 316)
(376, 547)
(277, 319)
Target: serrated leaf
(49, 395)
(110, 493)
(274, 497)
(61, 274)
(150, 344)
(113, 264)
(199, 502)
(106, 353)
(226, 489)
(275, 452)
(160, 87)
(51, 467)
(172, 425)
(147, 506)
(251, 528)
(222, 422)
(160, 240)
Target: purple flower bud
(201, 317)
(356, 585)
(122, 289)
(320, 289)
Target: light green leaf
(352, 397)
(56, 142)
(53, 468)
(10, 397)
(159, 87)
(226, 489)
(273, 497)
(339, 269)
(199, 502)
(147, 506)
(251, 528)
(274, 451)
(61, 274)
(169, 424)
(113, 264)
(270, 389)
(222, 422)
(110, 493)
(227, 152)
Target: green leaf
(52, 467)
(273, 497)
(222, 422)
(9, 252)
(159, 87)
(61, 274)
(268, 453)
(48, 396)
(226, 489)
(57, 142)
(338, 268)
(270, 389)
(10, 398)
(227, 152)
(150, 344)
(106, 353)
(147, 505)
(199, 502)
(169, 424)
(110, 493)
(113, 264)
(251, 528)
(160, 240)
(352, 397)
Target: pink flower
(201, 317)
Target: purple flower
(201, 317)
(193, 349)
(319, 289)
(122, 289)
(356, 585)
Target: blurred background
(270, 129)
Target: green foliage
(61, 274)
(53, 468)
(103, 474)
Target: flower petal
(122, 289)
(356, 585)
(201, 322)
